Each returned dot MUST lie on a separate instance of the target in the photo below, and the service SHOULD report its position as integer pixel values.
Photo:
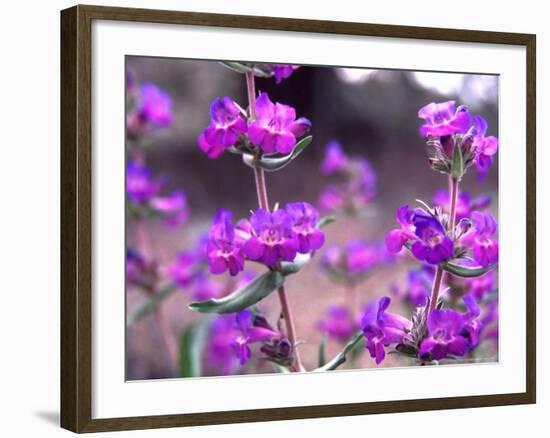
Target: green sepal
(466, 271)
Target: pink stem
(453, 192)
(263, 202)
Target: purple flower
(361, 257)
(222, 335)
(396, 239)
(272, 239)
(183, 270)
(275, 128)
(305, 218)
(139, 184)
(335, 160)
(382, 328)
(424, 232)
(173, 207)
(364, 184)
(485, 147)
(224, 251)
(484, 248)
(472, 325)
(338, 324)
(253, 329)
(138, 271)
(155, 105)
(226, 125)
(465, 204)
(433, 245)
(417, 290)
(331, 198)
(441, 119)
(445, 328)
(283, 71)
(205, 288)
(483, 285)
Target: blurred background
(371, 113)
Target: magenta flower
(272, 239)
(275, 128)
(364, 184)
(382, 328)
(472, 324)
(219, 351)
(396, 239)
(441, 119)
(173, 207)
(252, 330)
(483, 285)
(205, 288)
(338, 324)
(331, 198)
(417, 290)
(305, 217)
(335, 160)
(465, 204)
(155, 105)
(485, 147)
(227, 123)
(224, 251)
(484, 248)
(140, 187)
(361, 257)
(183, 270)
(445, 328)
(283, 71)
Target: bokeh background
(372, 113)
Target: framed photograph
(268, 219)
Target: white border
(113, 397)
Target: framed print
(267, 219)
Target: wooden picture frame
(76, 217)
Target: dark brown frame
(76, 225)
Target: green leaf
(288, 268)
(272, 164)
(149, 305)
(236, 66)
(325, 220)
(466, 271)
(322, 359)
(340, 358)
(192, 341)
(242, 298)
(457, 168)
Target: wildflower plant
(456, 240)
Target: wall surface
(29, 225)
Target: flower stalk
(263, 202)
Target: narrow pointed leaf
(340, 358)
(149, 305)
(192, 341)
(325, 220)
(466, 271)
(272, 164)
(242, 298)
(236, 66)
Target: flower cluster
(152, 109)
(424, 233)
(355, 181)
(447, 129)
(143, 192)
(267, 128)
(339, 323)
(268, 237)
(445, 333)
